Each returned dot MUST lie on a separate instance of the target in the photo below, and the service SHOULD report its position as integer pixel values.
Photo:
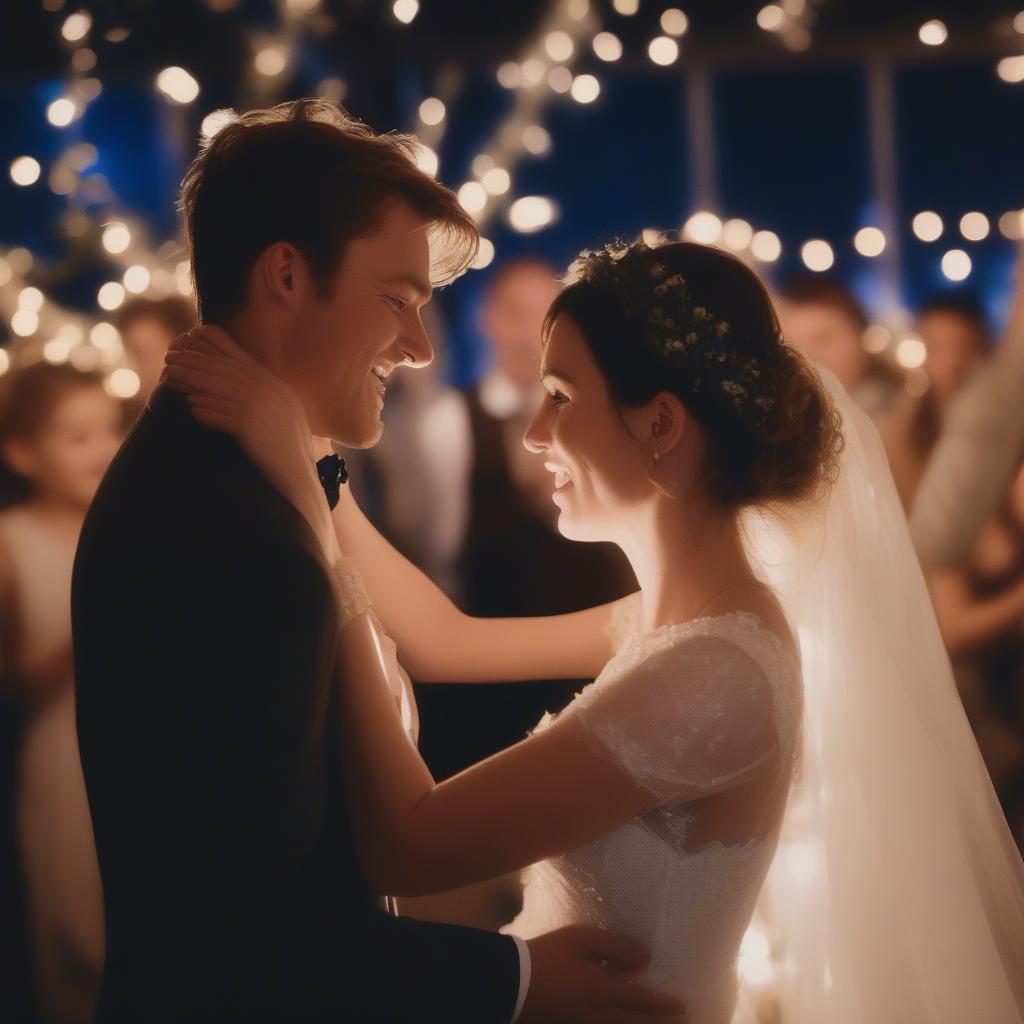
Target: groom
(205, 633)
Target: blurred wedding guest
(826, 322)
(59, 431)
(954, 331)
(148, 326)
(414, 482)
(979, 453)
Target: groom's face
(344, 347)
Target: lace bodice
(705, 717)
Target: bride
(773, 728)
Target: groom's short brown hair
(305, 172)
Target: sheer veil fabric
(897, 893)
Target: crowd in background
(452, 485)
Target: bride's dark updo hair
(697, 322)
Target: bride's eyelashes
(558, 399)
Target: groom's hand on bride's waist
(583, 974)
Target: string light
(933, 33)
(214, 121)
(560, 79)
(663, 50)
(737, 234)
(104, 336)
(1011, 225)
(136, 279)
(876, 339)
(83, 59)
(510, 75)
(25, 323)
(911, 352)
(531, 213)
(771, 18)
(485, 254)
(123, 383)
(177, 85)
(497, 181)
(432, 111)
(1011, 69)
(585, 89)
(116, 237)
(271, 60)
(536, 140)
(111, 295)
(627, 8)
(405, 10)
(56, 351)
(532, 71)
(559, 46)
(5, 361)
(607, 46)
(927, 225)
(817, 255)
(31, 299)
(60, 113)
(25, 171)
(674, 22)
(956, 265)
(473, 197)
(427, 160)
(974, 226)
(869, 241)
(76, 26)
(703, 227)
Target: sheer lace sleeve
(692, 717)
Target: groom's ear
(280, 269)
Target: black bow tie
(332, 472)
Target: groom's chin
(364, 435)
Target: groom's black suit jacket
(205, 631)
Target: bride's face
(599, 467)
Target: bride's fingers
(220, 341)
(201, 382)
(216, 407)
(180, 343)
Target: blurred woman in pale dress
(59, 431)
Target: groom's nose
(415, 344)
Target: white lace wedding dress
(705, 716)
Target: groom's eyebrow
(417, 284)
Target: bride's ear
(658, 424)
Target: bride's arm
(415, 836)
(439, 643)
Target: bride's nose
(537, 438)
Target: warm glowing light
(60, 113)
(974, 226)
(1011, 69)
(869, 241)
(432, 111)
(531, 213)
(427, 160)
(5, 361)
(585, 89)
(578, 9)
(82, 156)
(510, 75)
(110, 295)
(123, 383)
(76, 26)
(927, 225)
(105, 337)
(25, 322)
(302, 6)
(405, 10)
(771, 18)
(485, 254)
(703, 227)
(876, 338)
(116, 237)
(737, 234)
(627, 8)
(84, 358)
(71, 333)
(559, 46)
(25, 170)
(817, 255)
(607, 46)
(30, 298)
(1018, 22)
(536, 139)
(933, 33)
(83, 60)
(911, 352)
(674, 22)
(956, 265)
(473, 197)
(136, 279)
(271, 60)
(497, 181)
(766, 246)
(20, 259)
(214, 121)
(532, 71)
(183, 277)
(560, 79)
(177, 85)
(663, 50)
(56, 351)
(5, 271)
(652, 237)
(1011, 225)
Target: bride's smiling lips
(562, 479)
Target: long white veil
(897, 893)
